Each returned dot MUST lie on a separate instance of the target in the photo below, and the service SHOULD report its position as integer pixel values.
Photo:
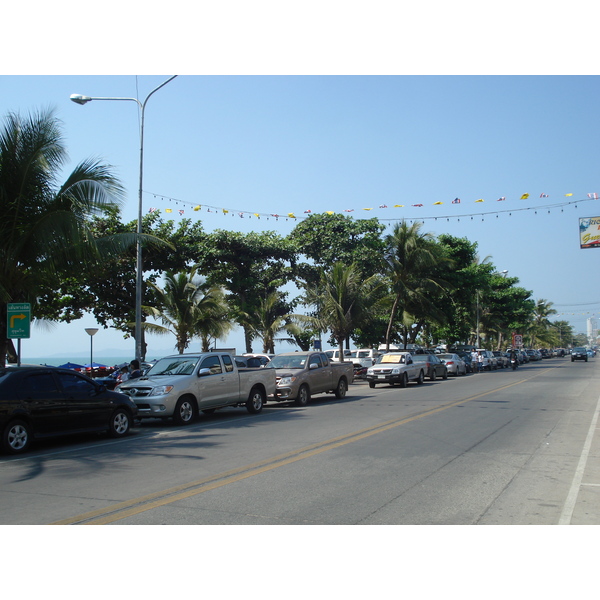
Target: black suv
(38, 402)
(579, 354)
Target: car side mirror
(204, 372)
(313, 366)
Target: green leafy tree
(250, 266)
(325, 239)
(44, 230)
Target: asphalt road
(492, 448)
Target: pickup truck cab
(395, 368)
(181, 385)
(300, 375)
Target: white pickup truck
(395, 367)
(180, 385)
(362, 359)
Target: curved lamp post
(80, 99)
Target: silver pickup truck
(180, 385)
(395, 367)
(303, 374)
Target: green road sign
(18, 319)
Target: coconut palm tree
(411, 256)
(343, 301)
(188, 307)
(268, 321)
(44, 226)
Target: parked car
(434, 367)
(502, 359)
(395, 367)
(466, 357)
(299, 375)
(38, 402)
(180, 385)
(454, 363)
(534, 355)
(489, 360)
(579, 354)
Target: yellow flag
(256, 215)
(398, 205)
(225, 211)
(168, 210)
(524, 196)
(568, 194)
(367, 209)
(197, 207)
(291, 215)
(329, 212)
(480, 200)
(437, 203)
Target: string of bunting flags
(291, 215)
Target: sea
(107, 361)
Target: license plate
(380, 376)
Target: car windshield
(290, 361)
(446, 356)
(174, 365)
(421, 357)
(397, 359)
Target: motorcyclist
(514, 361)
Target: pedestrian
(475, 360)
(480, 361)
(134, 367)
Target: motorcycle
(514, 363)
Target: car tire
(16, 437)
(404, 380)
(185, 411)
(341, 389)
(432, 377)
(256, 401)
(303, 396)
(120, 423)
(445, 375)
(371, 384)
(421, 378)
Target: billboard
(589, 232)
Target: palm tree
(540, 328)
(411, 257)
(44, 226)
(343, 301)
(268, 322)
(188, 307)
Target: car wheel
(421, 378)
(342, 387)
(445, 375)
(120, 423)
(371, 384)
(185, 411)
(255, 401)
(404, 380)
(303, 396)
(16, 437)
(432, 376)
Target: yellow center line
(136, 506)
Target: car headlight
(286, 380)
(370, 371)
(161, 390)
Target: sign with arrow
(18, 319)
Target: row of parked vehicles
(43, 401)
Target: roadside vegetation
(65, 249)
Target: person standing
(475, 360)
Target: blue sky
(279, 144)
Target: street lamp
(80, 99)
(91, 331)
